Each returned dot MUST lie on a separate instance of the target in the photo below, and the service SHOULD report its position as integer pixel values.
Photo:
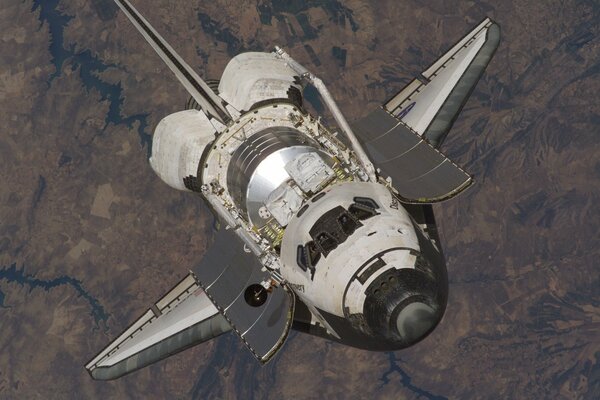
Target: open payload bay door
(182, 318)
(430, 103)
(212, 105)
(232, 279)
(419, 172)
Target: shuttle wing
(402, 135)
(226, 273)
(211, 300)
(182, 318)
(430, 103)
(209, 101)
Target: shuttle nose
(404, 305)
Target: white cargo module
(312, 236)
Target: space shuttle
(328, 231)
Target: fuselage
(335, 238)
(359, 263)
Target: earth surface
(90, 237)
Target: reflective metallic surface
(257, 166)
(315, 224)
(267, 176)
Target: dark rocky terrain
(89, 236)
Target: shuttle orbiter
(328, 234)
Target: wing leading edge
(182, 318)
(402, 135)
(430, 104)
(208, 302)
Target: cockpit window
(326, 242)
(302, 258)
(366, 201)
(361, 211)
(336, 225)
(308, 256)
(348, 223)
(313, 253)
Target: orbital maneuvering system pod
(328, 233)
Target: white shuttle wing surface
(182, 318)
(209, 101)
(402, 135)
(430, 104)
